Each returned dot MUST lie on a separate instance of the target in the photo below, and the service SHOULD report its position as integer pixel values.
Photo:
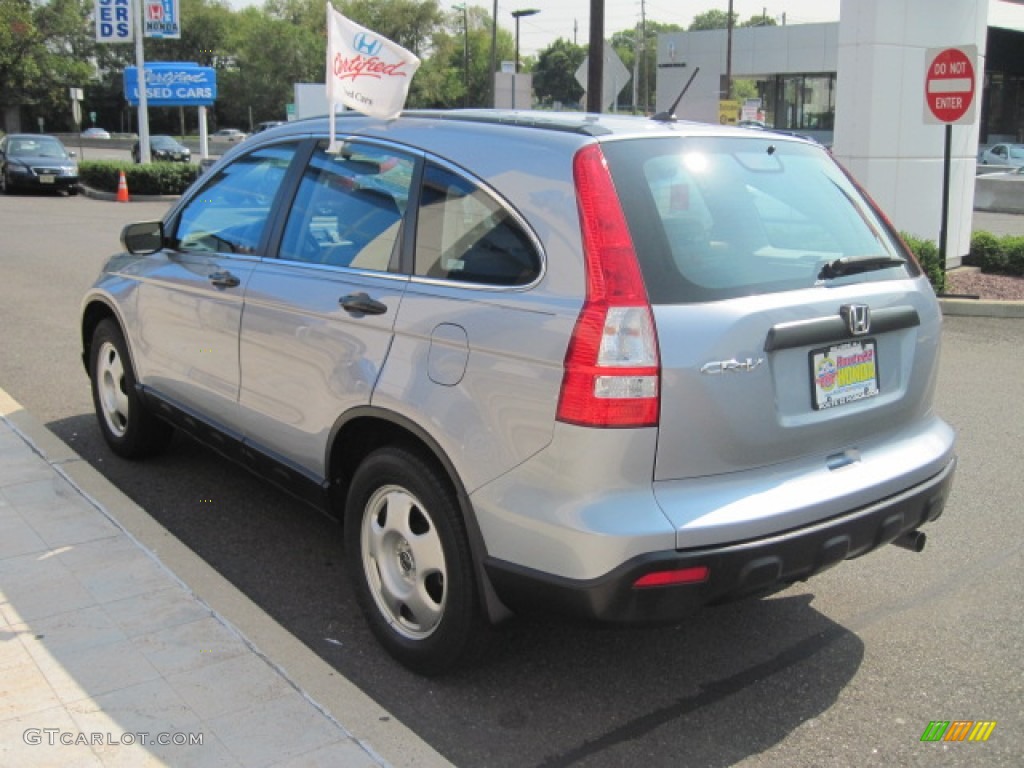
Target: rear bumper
(735, 570)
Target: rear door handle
(360, 303)
(224, 280)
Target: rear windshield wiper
(851, 265)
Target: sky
(570, 19)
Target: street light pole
(515, 77)
(494, 55)
(465, 50)
(728, 55)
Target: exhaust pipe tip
(912, 540)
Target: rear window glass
(717, 218)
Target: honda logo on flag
(367, 45)
(366, 72)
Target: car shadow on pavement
(730, 682)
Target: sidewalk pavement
(120, 647)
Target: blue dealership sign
(173, 84)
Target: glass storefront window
(801, 102)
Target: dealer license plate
(47, 178)
(843, 373)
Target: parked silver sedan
(619, 368)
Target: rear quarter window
(717, 218)
(465, 235)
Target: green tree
(760, 21)
(19, 41)
(713, 19)
(442, 80)
(60, 60)
(626, 45)
(554, 76)
(269, 55)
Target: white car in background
(1003, 154)
(230, 135)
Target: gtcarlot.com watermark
(56, 737)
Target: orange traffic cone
(122, 189)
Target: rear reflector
(693, 575)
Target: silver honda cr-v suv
(616, 367)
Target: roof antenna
(669, 116)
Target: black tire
(5, 182)
(408, 557)
(129, 428)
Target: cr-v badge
(730, 366)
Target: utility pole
(728, 56)
(465, 50)
(636, 67)
(494, 55)
(595, 57)
(643, 52)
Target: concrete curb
(373, 727)
(979, 308)
(111, 197)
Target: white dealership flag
(365, 72)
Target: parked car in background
(95, 133)
(1003, 154)
(36, 161)
(165, 149)
(622, 369)
(231, 135)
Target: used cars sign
(172, 84)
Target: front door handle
(360, 303)
(224, 280)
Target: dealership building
(858, 85)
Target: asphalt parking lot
(846, 670)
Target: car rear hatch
(794, 331)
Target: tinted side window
(349, 208)
(464, 234)
(231, 212)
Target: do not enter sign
(949, 85)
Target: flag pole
(331, 147)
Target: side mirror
(143, 237)
(72, 153)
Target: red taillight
(693, 575)
(612, 373)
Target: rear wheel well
(94, 314)
(360, 437)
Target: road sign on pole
(949, 85)
(616, 76)
(949, 100)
